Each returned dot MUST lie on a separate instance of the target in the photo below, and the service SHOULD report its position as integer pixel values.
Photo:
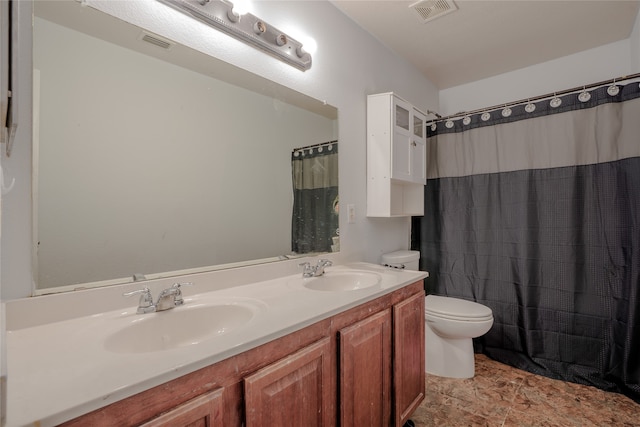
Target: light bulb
(281, 40)
(242, 7)
(310, 45)
(260, 27)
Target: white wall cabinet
(396, 157)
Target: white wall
(348, 65)
(635, 46)
(593, 65)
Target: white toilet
(402, 260)
(450, 325)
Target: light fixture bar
(248, 28)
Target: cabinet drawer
(203, 411)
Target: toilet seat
(456, 309)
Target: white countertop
(61, 370)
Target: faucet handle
(307, 269)
(177, 298)
(145, 305)
(322, 263)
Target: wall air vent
(428, 10)
(156, 40)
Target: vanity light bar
(248, 28)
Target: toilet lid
(455, 308)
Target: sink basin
(179, 327)
(340, 281)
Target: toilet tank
(409, 260)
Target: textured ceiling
(485, 38)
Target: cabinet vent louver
(428, 10)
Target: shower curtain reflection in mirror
(314, 225)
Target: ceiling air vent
(156, 40)
(428, 10)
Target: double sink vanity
(341, 348)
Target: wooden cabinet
(364, 366)
(408, 356)
(294, 391)
(203, 411)
(396, 157)
(382, 376)
(365, 372)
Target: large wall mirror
(148, 161)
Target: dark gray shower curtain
(315, 199)
(537, 215)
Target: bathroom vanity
(307, 356)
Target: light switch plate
(351, 214)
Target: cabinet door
(408, 353)
(418, 148)
(365, 372)
(203, 411)
(408, 151)
(295, 391)
(402, 138)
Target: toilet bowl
(450, 326)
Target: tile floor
(502, 396)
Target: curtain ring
(613, 90)
(555, 101)
(529, 108)
(584, 96)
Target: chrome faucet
(145, 305)
(314, 271)
(168, 298)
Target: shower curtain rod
(321, 144)
(537, 98)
